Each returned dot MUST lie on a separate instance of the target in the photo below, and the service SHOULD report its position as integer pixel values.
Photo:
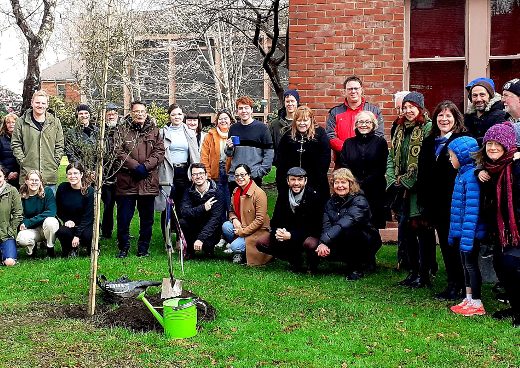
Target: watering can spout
(156, 314)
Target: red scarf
(236, 199)
(502, 167)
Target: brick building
(431, 46)
(61, 79)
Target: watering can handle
(187, 305)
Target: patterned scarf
(502, 167)
(414, 147)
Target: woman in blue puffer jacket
(464, 222)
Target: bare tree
(36, 41)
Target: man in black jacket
(296, 223)
(485, 110)
(202, 212)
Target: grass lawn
(266, 317)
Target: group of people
(452, 174)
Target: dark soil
(129, 313)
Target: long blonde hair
(304, 112)
(24, 189)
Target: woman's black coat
(366, 155)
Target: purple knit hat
(503, 133)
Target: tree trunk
(32, 81)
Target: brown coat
(135, 147)
(255, 222)
(210, 154)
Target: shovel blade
(168, 290)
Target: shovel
(171, 287)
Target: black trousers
(450, 256)
(510, 266)
(472, 275)
(108, 196)
(291, 250)
(417, 241)
(66, 234)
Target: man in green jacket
(37, 141)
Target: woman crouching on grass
(248, 219)
(347, 233)
(75, 202)
(39, 210)
(500, 180)
(10, 218)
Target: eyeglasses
(241, 175)
(33, 180)
(364, 122)
(198, 174)
(353, 89)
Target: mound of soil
(130, 313)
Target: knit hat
(487, 83)
(294, 93)
(297, 171)
(503, 133)
(414, 97)
(513, 86)
(83, 107)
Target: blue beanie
(294, 93)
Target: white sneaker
(228, 250)
(220, 244)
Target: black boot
(420, 282)
(411, 277)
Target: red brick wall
(332, 39)
(71, 90)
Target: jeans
(223, 184)
(8, 249)
(238, 244)
(108, 196)
(125, 212)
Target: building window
(453, 41)
(60, 90)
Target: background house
(431, 46)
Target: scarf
(222, 146)
(236, 199)
(502, 167)
(295, 199)
(414, 147)
(440, 143)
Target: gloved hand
(141, 171)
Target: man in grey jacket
(37, 141)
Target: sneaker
(239, 258)
(472, 310)
(122, 254)
(228, 250)
(220, 244)
(354, 276)
(459, 306)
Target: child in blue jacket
(464, 222)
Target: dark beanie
(294, 93)
(503, 133)
(513, 86)
(83, 107)
(487, 83)
(416, 98)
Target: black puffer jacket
(343, 213)
(7, 159)
(192, 210)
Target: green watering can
(180, 316)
